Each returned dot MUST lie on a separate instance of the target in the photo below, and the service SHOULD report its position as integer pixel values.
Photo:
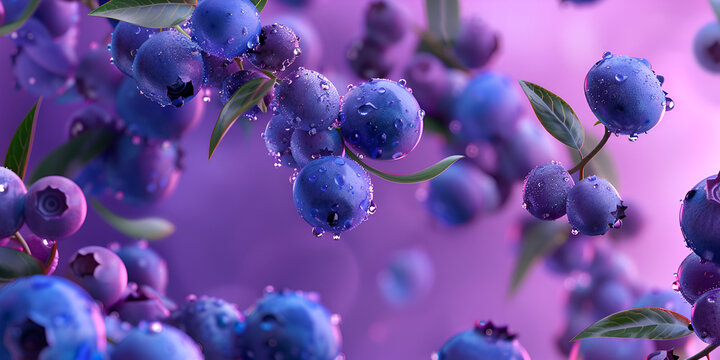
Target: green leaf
(433, 8)
(443, 18)
(74, 155)
(18, 152)
(260, 4)
(433, 125)
(420, 176)
(12, 26)
(715, 4)
(555, 115)
(152, 228)
(156, 14)
(640, 323)
(15, 264)
(452, 19)
(601, 165)
(538, 239)
(252, 93)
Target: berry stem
(705, 352)
(51, 258)
(239, 62)
(180, 30)
(22, 242)
(584, 161)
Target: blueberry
(485, 341)
(211, 322)
(56, 56)
(58, 16)
(278, 48)
(145, 267)
(488, 108)
(457, 80)
(169, 68)
(369, 60)
(385, 23)
(291, 326)
(430, 82)
(88, 118)
(333, 194)
(613, 348)
(625, 94)
(278, 136)
(460, 194)
(49, 317)
(706, 317)
(381, 119)
(14, 9)
(156, 341)
(55, 208)
(139, 304)
(41, 249)
(594, 206)
(666, 299)
(610, 264)
(707, 47)
(306, 147)
(407, 278)
(126, 41)
(308, 99)
(611, 296)
(233, 82)
(12, 194)
(572, 255)
(96, 78)
(217, 70)
(662, 355)
(697, 219)
(312, 47)
(116, 330)
(35, 79)
(695, 276)
(100, 272)
(227, 29)
(148, 119)
(545, 191)
(528, 146)
(476, 43)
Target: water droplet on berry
(402, 82)
(366, 109)
(607, 55)
(574, 231)
(372, 208)
(317, 231)
(620, 77)
(669, 104)
(336, 237)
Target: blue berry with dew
(216, 70)
(594, 206)
(308, 99)
(47, 317)
(306, 147)
(662, 355)
(546, 190)
(408, 277)
(145, 267)
(140, 304)
(698, 214)
(706, 47)
(706, 317)
(381, 119)
(613, 348)
(55, 208)
(333, 194)
(385, 23)
(695, 276)
(290, 325)
(58, 16)
(156, 341)
(626, 95)
(146, 118)
(529, 145)
(96, 78)
(126, 41)
(278, 48)
(484, 341)
(429, 80)
(233, 82)
(369, 60)
(169, 68)
(100, 272)
(476, 43)
(211, 322)
(311, 45)
(227, 29)
(278, 138)
(12, 202)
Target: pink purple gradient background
(238, 231)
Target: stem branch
(180, 30)
(22, 242)
(584, 161)
(51, 258)
(705, 352)
(239, 62)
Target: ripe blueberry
(96, 78)
(408, 277)
(126, 41)
(156, 341)
(369, 60)
(485, 341)
(139, 304)
(528, 146)
(227, 29)
(55, 208)
(278, 137)
(308, 99)
(211, 322)
(385, 23)
(698, 219)
(100, 272)
(217, 69)
(429, 80)
(278, 48)
(233, 82)
(305, 147)
(476, 43)
(312, 47)
(58, 16)
(90, 118)
(145, 267)
(613, 348)
(707, 47)
(12, 202)
(13, 9)
(706, 317)
(545, 191)
(594, 206)
(41, 249)
(35, 78)
(695, 276)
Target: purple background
(238, 231)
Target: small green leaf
(420, 176)
(18, 152)
(538, 239)
(152, 228)
(15, 264)
(715, 4)
(601, 165)
(640, 323)
(252, 93)
(597, 123)
(260, 4)
(443, 18)
(156, 14)
(12, 26)
(74, 155)
(555, 115)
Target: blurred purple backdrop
(238, 231)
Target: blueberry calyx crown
(51, 203)
(713, 189)
(31, 338)
(619, 213)
(84, 265)
(179, 91)
(488, 329)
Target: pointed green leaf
(420, 176)
(18, 152)
(12, 26)
(601, 165)
(15, 264)
(640, 323)
(538, 239)
(156, 14)
(252, 93)
(152, 228)
(555, 115)
(260, 4)
(74, 155)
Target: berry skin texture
(211, 322)
(308, 99)
(100, 272)
(698, 214)
(233, 82)
(545, 191)
(333, 194)
(485, 341)
(12, 202)
(278, 136)
(305, 147)
(169, 68)
(49, 317)
(55, 208)
(126, 41)
(369, 60)
(227, 29)
(706, 317)
(616, 349)
(144, 266)
(707, 47)
(278, 48)
(217, 69)
(625, 94)
(594, 206)
(476, 43)
(381, 119)
(292, 326)
(156, 341)
(695, 276)
(385, 23)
